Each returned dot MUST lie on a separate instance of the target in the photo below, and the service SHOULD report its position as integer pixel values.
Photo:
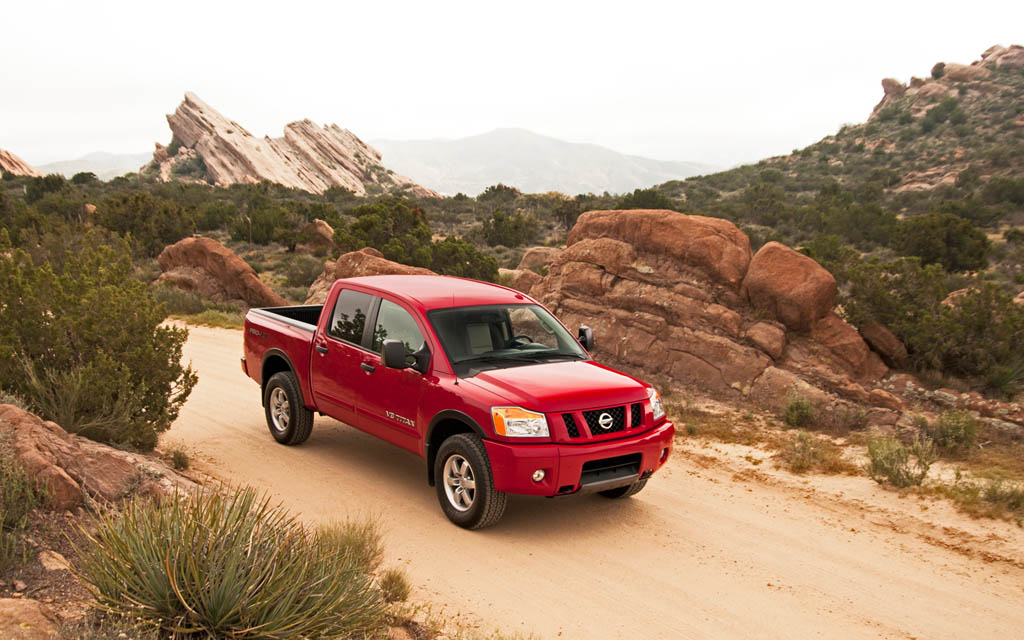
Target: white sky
(718, 82)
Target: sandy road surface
(702, 552)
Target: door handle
(368, 368)
(322, 349)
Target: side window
(395, 323)
(349, 317)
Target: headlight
(518, 422)
(656, 406)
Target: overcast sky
(717, 82)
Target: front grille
(593, 418)
(570, 425)
(636, 415)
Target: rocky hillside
(12, 164)
(206, 146)
(528, 161)
(948, 140)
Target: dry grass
(804, 452)
(722, 427)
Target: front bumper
(514, 464)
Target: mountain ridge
(529, 161)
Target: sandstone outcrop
(885, 343)
(26, 619)
(317, 235)
(365, 262)
(77, 469)
(209, 268)
(12, 164)
(791, 287)
(308, 156)
(536, 258)
(963, 72)
(666, 294)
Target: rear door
(389, 399)
(335, 372)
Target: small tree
(86, 347)
(943, 238)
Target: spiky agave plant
(226, 565)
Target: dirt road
(717, 545)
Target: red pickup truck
(480, 380)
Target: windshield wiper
(496, 359)
(533, 355)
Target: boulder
(893, 88)
(791, 287)
(213, 270)
(537, 258)
(850, 351)
(10, 163)
(679, 244)
(767, 337)
(75, 468)
(965, 73)
(26, 619)
(521, 279)
(1012, 58)
(886, 344)
(365, 262)
(308, 156)
(317, 235)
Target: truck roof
(436, 292)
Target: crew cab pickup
(480, 380)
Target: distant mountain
(104, 165)
(528, 161)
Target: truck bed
(301, 316)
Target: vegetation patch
(803, 453)
(892, 462)
(215, 565)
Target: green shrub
(215, 215)
(301, 270)
(943, 238)
(153, 222)
(85, 346)
(955, 433)
(395, 586)
(510, 230)
(178, 301)
(179, 460)
(645, 199)
(890, 461)
(226, 566)
(804, 452)
(800, 413)
(359, 540)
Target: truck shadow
(401, 483)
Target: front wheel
(289, 421)
(626, 491)
(465, 483)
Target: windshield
(495, 336)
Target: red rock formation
(365, 262)
(308, 157)
(211, 269)
(537, 257)
(74, 467)
(14, 165)
(791, 287)
(886, 344)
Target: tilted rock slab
(14, 165)
(308, 156)
(75, 468)
(211, 269)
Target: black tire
(288, 419)
(626, 491)
(485, 503)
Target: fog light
(538, 475)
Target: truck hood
(560, 386)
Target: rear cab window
(348, 320)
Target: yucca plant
(226, 566)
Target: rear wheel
(626, 491)
(465, 483)
(289, 421)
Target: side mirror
(586, 337)
(422, 357)
(393, 354)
